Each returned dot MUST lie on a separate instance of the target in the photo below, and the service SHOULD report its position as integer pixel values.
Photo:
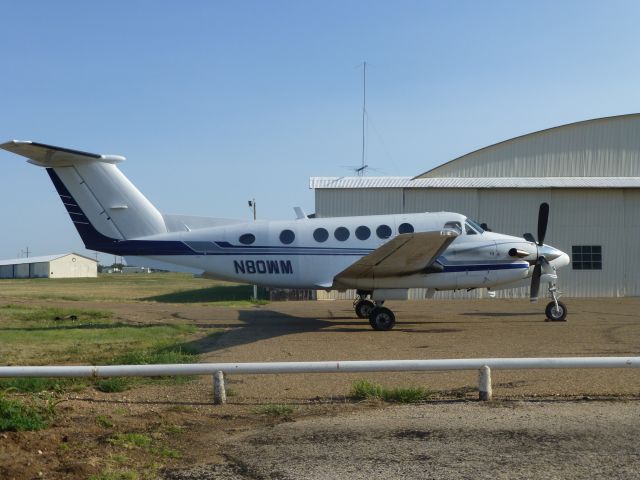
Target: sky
(217, 102)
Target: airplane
(380, 256)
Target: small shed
(64, 265)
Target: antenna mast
(364, 112)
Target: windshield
(472, 227)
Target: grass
(274, 410)
(16, 416)
(366, 390)
(115, 475)
(155, 287)
(130, 440)
(30, 334)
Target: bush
(113, 384)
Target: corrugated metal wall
(606, 147)
(368, 201)
(606, 217)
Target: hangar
(65, 265)
(588, 172)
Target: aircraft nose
(563, 260)
(557, 257)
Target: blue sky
(214, 103)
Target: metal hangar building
(588, 172)
(64, 265)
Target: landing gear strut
(556, 311)
(380, 318)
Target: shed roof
(467, 182)
(595, 147)
(41, 259)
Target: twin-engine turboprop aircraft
(381, 256)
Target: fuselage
(310, 252)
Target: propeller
(541, 261)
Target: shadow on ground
(222, 293)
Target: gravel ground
(557, 439)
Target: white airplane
(381, 256)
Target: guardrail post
(484, 384)
(219, 392)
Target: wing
(406, 254)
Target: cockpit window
(472, 227)
(455, 226)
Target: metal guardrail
(218, 370)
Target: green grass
(16, 416)
(104, 421)
(36, 385)
(31, 335)
(113, 384)
(130, 440)
(274, 410)
(155, 287)
(366, 390)
(115, 475)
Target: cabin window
(383, 231)
(341, 234)
(247, 239)
(586, 257)
(469, 229)
(320, 235)
(362, 232)
(287, 237)
(405, 228)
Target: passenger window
(247, 238)
(320, 235)
(341, 234)
(405, 228)
(383, 231)
(287, 237)
(362, 232)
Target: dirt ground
(191, 438)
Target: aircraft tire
(364, 308)
(382, 319)
(556, 314)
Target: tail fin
(103, 204)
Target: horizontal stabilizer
(50, 156)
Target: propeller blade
(543, 219)
(529, 238)
(535, 282)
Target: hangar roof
(600, 147)
(483, 182)
(42, 259)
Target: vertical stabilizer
(102, 203)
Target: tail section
(103, 204)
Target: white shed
(64, 265)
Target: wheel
(382, 318)
(363, 308)
(558, 314)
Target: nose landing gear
(555, 311)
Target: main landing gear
(556, 311)
(380, 318)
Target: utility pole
(26, 252)
(252, 204)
